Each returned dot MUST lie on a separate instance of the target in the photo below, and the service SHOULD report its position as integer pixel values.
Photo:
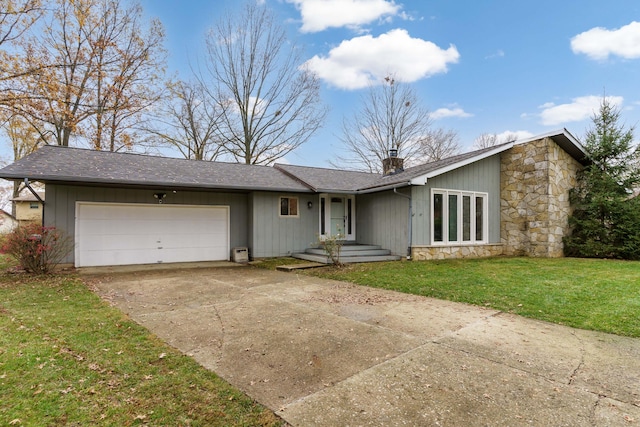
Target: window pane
(322, 216)
(293, 206)
(284, 206)
(437, 217)
(453, 218)
(466, 218)
(479, 218)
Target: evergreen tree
(606, 218)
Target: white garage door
(121, 234)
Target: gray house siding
(383, 219)
(482, 176)
(61, 203)
(274, 235)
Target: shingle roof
(330, 180)
(29, 197)
(74, 165)
(424, 169)
(64, 164)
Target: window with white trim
(458, 217)
(289, 206)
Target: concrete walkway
(326, 353)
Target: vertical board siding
(274, 235)
(482, 176)
(61, 202)
(383, 219)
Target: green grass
(601, 295)
(67, 358)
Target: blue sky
(489, 66)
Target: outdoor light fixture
(309, 205)
(160, 196)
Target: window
(458, 217)
(34, 205)
(289, 206)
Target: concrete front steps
(351, 252)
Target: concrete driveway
(327, 353)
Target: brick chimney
(392, 164)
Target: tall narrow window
(349, 213)
(322, 216)
(479, 218)
(289, 206)
(453, 217)
(466, 218)
(438, 225)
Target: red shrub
(38, 249)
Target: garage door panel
(194, 240)
(120, 234)
(120, 257)
(122, 242)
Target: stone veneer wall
(421, 253)
(535, 181)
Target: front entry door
(337, 216)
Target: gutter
(384, 187)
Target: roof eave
(152, 184)
(566, 141)
(384, 187)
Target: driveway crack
(578, 368)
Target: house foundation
(422, 253)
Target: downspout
(395, 190)
(35, 194)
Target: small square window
(34, 205)
(289, 206)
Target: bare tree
(129, 66)
(270, 103)
(16, 17)
(24, 140)
(391, 117)
(95, 70)
(188, 122)
(487, 140)
(438, 144)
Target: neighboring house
(28, 208)
(7, 222)
(511, 199)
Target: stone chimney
(392, 164)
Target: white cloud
(442, 113)
(508, 135)
(498, 54)
(318, 15)
(598, 43)
(365, 60)
(579, 109)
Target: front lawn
(601, 295)
(67, 358)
